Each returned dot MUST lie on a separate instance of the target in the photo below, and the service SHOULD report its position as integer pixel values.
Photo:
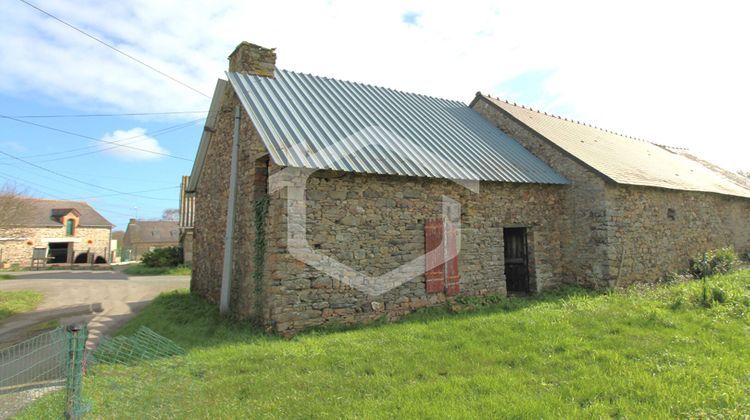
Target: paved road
(104, 299)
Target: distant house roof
(622, 159)
(47, 213)
(150, 231)
(321, 123)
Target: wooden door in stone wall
(516, 260)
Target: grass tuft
(142, 270)
(13, 303)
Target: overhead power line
(70, 133)
(78, 180)
(127, 114)
(112, 47)
(47, 194)
(131, 192)
(119, 143)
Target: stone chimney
(253, 59)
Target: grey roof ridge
(605, 177)
(549, 114)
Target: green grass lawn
(142, 270)
(6, 277)
(644, 352)
(12, 303)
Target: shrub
(163, 257)
(718, 261)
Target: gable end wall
(211, 194)
(584, 211)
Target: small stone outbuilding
(66, 232)
(321, 201)
(142, 236)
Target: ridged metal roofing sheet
(322, 123)
(623, 159)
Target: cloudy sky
(671, 72)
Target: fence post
(77, 336)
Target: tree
(171, 215)
(13, 206)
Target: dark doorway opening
(82, 258)
(58, 252)
(516, 260)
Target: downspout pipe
(226, 275)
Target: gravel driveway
(104, 299)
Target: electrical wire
(46, 194)
(104, 149)
(78, 180)
(70, 133)
(112, 47)
(156, 133)
(132, 192)
(129, 114)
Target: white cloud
(671, 72)
(139, 145)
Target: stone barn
(637, 210)
(322, 201)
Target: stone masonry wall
(584, 239)
(19, 252)
(252, 162)
(211, 211)
(211, 197)
(648, 240)
(375, 223)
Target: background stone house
(315, 198)
(146, 235)
(67, 231)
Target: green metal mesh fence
(48, 362)
(145, 344)
(55, 362)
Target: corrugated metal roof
(624, 160)
(321, 123)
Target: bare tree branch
(172, 215)
(14, 208)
